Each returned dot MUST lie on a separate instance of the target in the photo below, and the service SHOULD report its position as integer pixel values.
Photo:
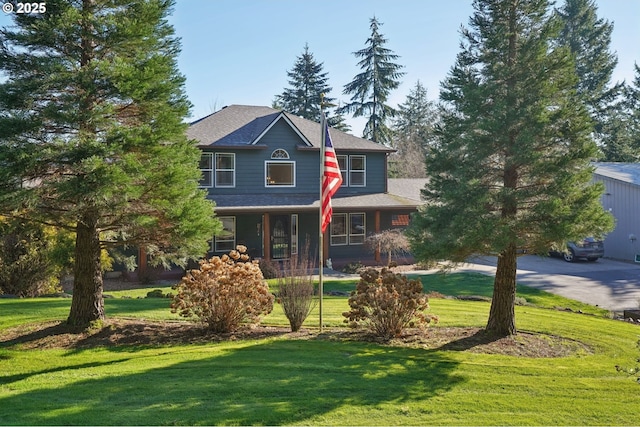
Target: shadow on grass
(246, 383)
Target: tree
(622, 125)
(92, 137)
(412, 133)
(589, 39)
(510, 171)
(370, 89)
(308, 85)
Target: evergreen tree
(370, 89)
(622, 128)
(510, 171)
(308, 85)
(92, 137)
(589, 38)
(412, 133)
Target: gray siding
(623, 201)
(250, 167)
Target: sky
(239, 51)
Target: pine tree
(622, 127)
(308, 85)
(510, 170)
(412, 133)
(92, 137)
(589, 39)
(370, 89)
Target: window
(294, 234)
(206, 168)
(356, 229)
(226, 240)
(348, 233)
(280, 174)
(357, 166)
(280, 154)
(225, 170)
(342, 161)
(338, 229)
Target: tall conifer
(510, 172)
(92, 137)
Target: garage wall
(622, 199)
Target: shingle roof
(625, 172)
(308, 202)
(407, 187)
(242, 125)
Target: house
(622, 198)
(261, 167)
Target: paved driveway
(613, 285)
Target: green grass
(324, 382)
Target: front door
(280, 236)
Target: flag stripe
(331, 178)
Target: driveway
(609, 284)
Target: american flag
(331, 177)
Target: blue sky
(239, 51)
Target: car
(589, 248)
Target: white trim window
(357, 171)
(357, 228)
(338, 229)
(343, 162)
(226, 240)
(279, 173)
(294, 234)
(225, 170)
(206, 169)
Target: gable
(283, 120)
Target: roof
(407, 187)
(242, 126)
(308, 202)
(625, 172)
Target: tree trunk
(87, 304)
(502, 316)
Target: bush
(353, 268)
(27, 268)
(392, 242)
(224, 292)
(387, 303)
(295, 288)
(270, 269)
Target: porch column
(377, 230)
(266, 236)
(142, 263)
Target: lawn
(320, 380)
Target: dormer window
(280, 154)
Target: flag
(331, 177)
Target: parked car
(589, 248)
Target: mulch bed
(135, 332)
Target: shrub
(27, 268)
(353, 268)
(270, 269)
(392, 242)
(386, 303)
(295, 288)
(224, 292)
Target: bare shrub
(224, 292)
(295, 288)
(387, 303)
(392, 242)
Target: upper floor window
(353, 170)
(357, 171)
(206, 169)
(225, 170)
(218, 170)
(280, 173)
(280, 154)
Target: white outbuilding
(622, 198)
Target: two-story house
(261, 167)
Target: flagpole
(321, 234)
